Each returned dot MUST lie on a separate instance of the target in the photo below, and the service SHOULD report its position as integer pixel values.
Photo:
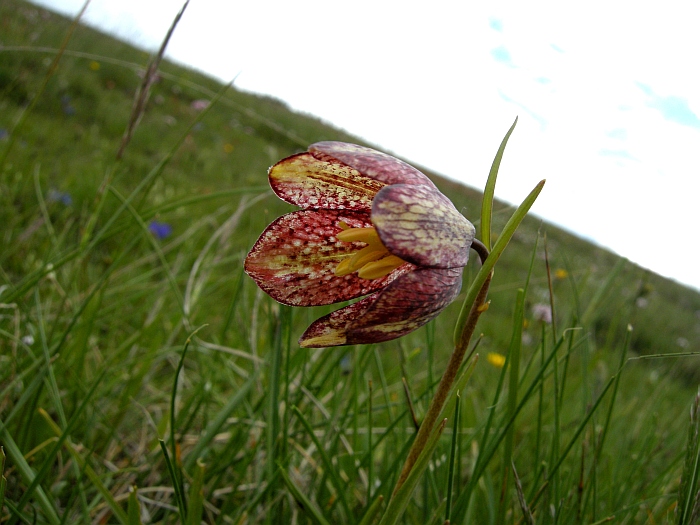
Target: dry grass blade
(149, 77)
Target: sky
(607, 95)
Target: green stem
(479, 306)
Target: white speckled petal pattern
(420, 225)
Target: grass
(145, 379)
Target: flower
(496, 359)
(160, 230)
(371, 225)
(542, 312)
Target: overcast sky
(607, 95)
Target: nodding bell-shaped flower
(370, 225)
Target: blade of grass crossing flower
(489, 189)
(305, 504)
(398, 503)
(329, 468)
(513, 382)
(485, 270)
(196, 496)
(134, 507)
(453, 456)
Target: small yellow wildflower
(496, 359)
(94, 65)
(228, 148)
(561, 273)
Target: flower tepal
(369, 225)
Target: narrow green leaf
(218, 421)
(399, 501)
(3, 479)
(489, 189)
(179, 496)
(453, 457)
(305, 504)
(485, 270)
(51, 454)
(134, 507)
(513, 382)
(89, 472)
(196, 496)
(330, 470)
(372, 511)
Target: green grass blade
(372, 511)
(3, 479)
(453, 457)
(512, 401)
(489, 190)
(199, 450)
(196, 496)
(329, 468)
(485, 270)
(134, 508)
(688, 488)
(112, 503)
(175, 480)
(51, 455)
(400, 500)
(305, 504)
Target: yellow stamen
(380, 268)
(371, 262)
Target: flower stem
(478, 307)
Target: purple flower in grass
(370, 225)
(160, 230)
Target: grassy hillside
(109, 264)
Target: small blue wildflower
(68, 109)
(4, 133)
(161, 230)
(59, 196)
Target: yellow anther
(368, 235)
(371, 262)
(380, 268)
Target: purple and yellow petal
(405, 304)
(295, 258)
(420, 225)
(309, 182)
(371, 163)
